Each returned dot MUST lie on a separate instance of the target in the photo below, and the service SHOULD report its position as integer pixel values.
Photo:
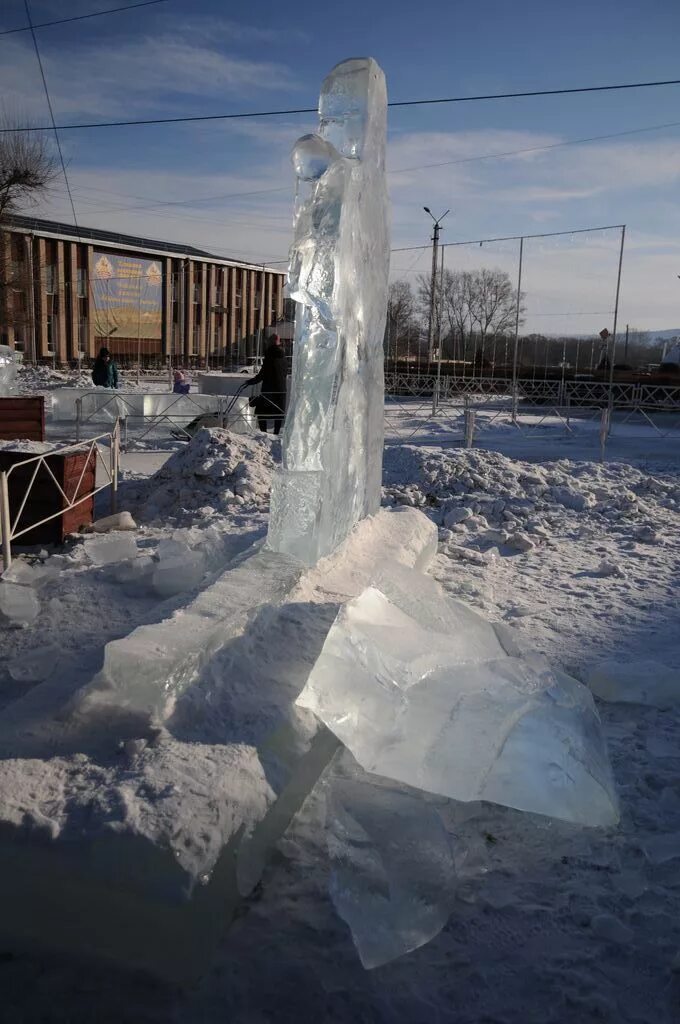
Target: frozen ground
(550, 923)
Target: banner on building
(127, 296)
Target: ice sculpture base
(422, 690)
(139, 852)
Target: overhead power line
(189, 201)
(313, 110)
(49, 107)
(79, 17)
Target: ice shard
(333, 437)
(393, 874)
(441, 707)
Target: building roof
(113, 239)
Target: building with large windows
(66, 291)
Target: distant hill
(673, 332)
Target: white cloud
(123, 79)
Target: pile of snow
(32, 379)
(506, 502)
(216, 472)
(40, 378)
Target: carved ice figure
(339, 262)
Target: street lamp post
(433, 282)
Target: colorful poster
(127, 296)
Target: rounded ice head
(312, 156)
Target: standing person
(181, 385)
(270, 404)
(104, 371)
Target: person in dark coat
(104, 371)
(270, 404)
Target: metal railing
(561, 393)
(438, 409)
(178, 413)
(94, 447)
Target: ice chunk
(440, 710)
(103, 549)
(8, 371)
(392, 869)
(333, 436)
(179, 568)
(641, 681)
(18, 604)
(119, 521)
(34, 666)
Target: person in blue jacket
(104, 371)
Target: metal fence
(144, 414)
(462, 410)
(106, 451)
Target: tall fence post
(115, 457)
(516, 341)
(5, 524)
(604, 430)
(469, 427)
(616, 318)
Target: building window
(51, 332)
(81, 282)
(50, 278)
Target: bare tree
(473, 305)
(403, 333)
(27, 168)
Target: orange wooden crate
(22, 418)
(46, 499)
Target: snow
(525, 939)
(339, 263)
(636, 681)
(216, 472)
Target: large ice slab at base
(392, 867)
(333, 436)
(145, 672)
(142, 854)
(444, 709)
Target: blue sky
(211, 57)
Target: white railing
(561, 393)
(141, 413)
(94, 448)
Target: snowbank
(216, 471)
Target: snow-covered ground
(551, 923)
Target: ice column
(339, 262)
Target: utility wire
(313, 110)
(400, 170)
(512, 238)
(79, 17)
(49, 107)
(537, 149)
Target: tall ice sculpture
(339, 262)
